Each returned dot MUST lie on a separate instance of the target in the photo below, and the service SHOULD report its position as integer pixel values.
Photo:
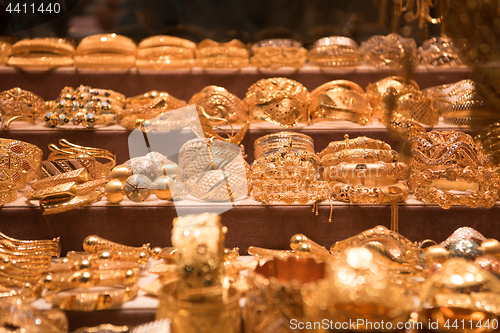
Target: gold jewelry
(20, 156)
(164, 62)
(71, 149)
(380, 171)
(112, 255)
(42, 53)
(397, 192)
(94, 244)
(271, 143)
(104, 328)
(274, 293)
(453, 93)
(111, 298)
(49, 207)
(211, 54)
(106, 43)
(340, 100)
(52, 247)
(4, 52)
(376, 91)
(361, 142)
(160, 40)
(26, 318)
(217, 103)
(391, 50)
(278, 100)
(158, 326)
(105, 61)
(171, 52)
(12, 179)
(77, 176)
(88, 278)
(218, 312)
(334, 51)
(438, 51)
(360, 156)
(222, 62)
(276, 53)
(73, 265)
(18, 104)
(7, 195)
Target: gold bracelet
(64, 206)
(221, 62)
(154, 41)
(71, 149)
(219, 104)
(271, 143)
(93, 244)
(164, 62)
(376, 91)
(73, 265)
(43, 45)
(376, 195)
(360, 156)
(334, 51)
(45, 62)
(105, 61)
(106, 43)
(18, 104)
(26, 318)
(13, 179)
(278, 100)
(93, 300)
(172, 52)
(340, 100)
(347, 172)
(20, 156)
(361, 142)
(276, 53)
(52, 247)
(438, 51)
(389, 50)
(133, 256)
(87, 278)
(7, 195)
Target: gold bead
(156, 253)
(491, 246)
(170, 169)
(113, 191)
(162, 187)
(297, 240)
(304, 250)
(434, 254)
(120, 172)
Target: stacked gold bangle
(447, 169)
(364, 175)
(438, 51)
(334, 51)
(165, 52)
(105, 51)
(340, 100)
(278, 100)
(276, 53)
(211, 54)
(391, 50)
(271, 143)
(41, 53)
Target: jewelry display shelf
(249, 223)
(183, 83)
(115, 138)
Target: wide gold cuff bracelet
(438, 51)
(334, 51)
(106, 43)
(276, 53)
(20, 156)
(340, 100)
(43, 53)
(219, 105)
(18, 104)
(390, 50)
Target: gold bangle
(277, 53)
(218, 186)
(20, 156)
(164, 62)
(389, 50)
(453, 93)
(219, 104)
(108, 328)
(222, 51)
(376, 91)
(438, 51)
(77, 176)
(221, 62)
(340, 100)
(360, 156)
(339, 41)
(66, 205)
(28, 319)
(45, 62)
(73, 265)
(446, 199)
(277, 100)
(361, 142)
(65, 191)
(93, 300)
(93, 244)
(18, 104)
(28, 259)
(13, 179)
(71, 149)
(132, 256)
(481, 177)
(154, 41)
(58, 281)
(376, 195)
(43, 45)
(346, 172)
(105, 61)
(106, 43)
(172, 52)
(52, 247)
